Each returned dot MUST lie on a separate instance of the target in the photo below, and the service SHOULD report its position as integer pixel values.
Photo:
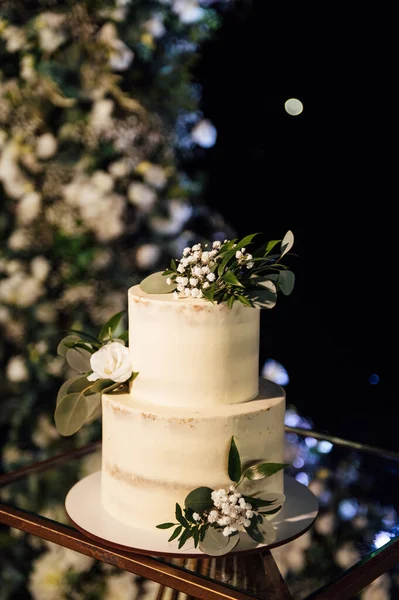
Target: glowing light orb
(274, 371)
(293, 106)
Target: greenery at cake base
(215, 519)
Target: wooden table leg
(253, 573)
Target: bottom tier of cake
(153, 456)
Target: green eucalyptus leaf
(272, 511)
(234, 462)
(66, 343)
(262, 531)
(263, 298)
(196, 536)
(109, 328)
(246, 240)
(70, 414)
(243, 300)
(93, 406)
(123, 337)
(202, 531)
(209, 293)
(287, 243)
(64, 389)
(78, 359)
(258, 503)
(186, 535)
(231, 279)
(100, 385)
(188, 513)
(74, 382)
(286, 282)
(134, 375)
(226, 257)
(199, 500)
(115, 386)
(230, 301)
(269, 247)
(85, 346)
(179, 516)
(156, 284)
(227, 246)
(262, 470)
(165, 525)
(217, 544)
(79, 384)
(84, 335)
(176, 533)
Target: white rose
(112, 361)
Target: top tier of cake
(191, 352)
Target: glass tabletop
(352, 545)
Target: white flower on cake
(103, 364)
(113, 362)
(227, 272)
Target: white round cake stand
(84, 508)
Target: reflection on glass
(358, 515)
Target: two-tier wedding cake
(198, 385)
(193, 437)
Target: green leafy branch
(254, 282)
(79, 400)
(192, 520)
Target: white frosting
(153, 456)
(191, 352)
(197, 386)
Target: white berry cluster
(196, 269)
(232, 511)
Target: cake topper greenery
(103, 365)
(214, 519)
(227, 272)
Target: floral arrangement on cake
(215, 519)
(103, 365)
(227, 272)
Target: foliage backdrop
(99, 114)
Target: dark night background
(326, 174)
